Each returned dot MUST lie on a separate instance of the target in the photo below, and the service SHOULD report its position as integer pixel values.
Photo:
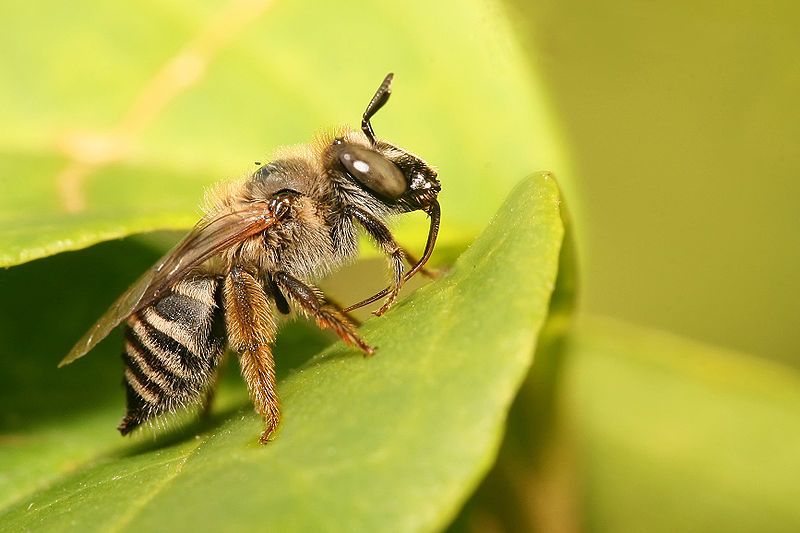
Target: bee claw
(268, 434)
(387, 304)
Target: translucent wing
(207, 239)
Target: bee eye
(374, 171)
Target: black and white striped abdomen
(172, 349)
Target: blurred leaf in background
(682, 124)
(677, 435)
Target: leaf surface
(396, 442)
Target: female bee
(260, 246)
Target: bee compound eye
(374, 172)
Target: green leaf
(528, 487)
(676, 435)
(396, 442)
(649, 432)
(652, 432)
(115, 123)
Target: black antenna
(381, 97)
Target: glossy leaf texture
(394, 443)
(114, 124)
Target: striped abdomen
(171, 351)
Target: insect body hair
(257, 252)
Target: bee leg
(396, 264)
(313, 304)
(251, 332)
(339, 307)
(412, 260)
(378, 231)
(280, 300)
(283, 306)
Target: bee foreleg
(313, 304)
(280, 300)
(251, 332)
(412, 260)
(378, 231)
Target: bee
(256, 253)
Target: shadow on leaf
(51, 302)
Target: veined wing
(208, 238)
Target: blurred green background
(671, 128)
(682, 123)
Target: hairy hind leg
(313, 304)
(251, 332)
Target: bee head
(395, 176)
(387, 175)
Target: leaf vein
(87, 153)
